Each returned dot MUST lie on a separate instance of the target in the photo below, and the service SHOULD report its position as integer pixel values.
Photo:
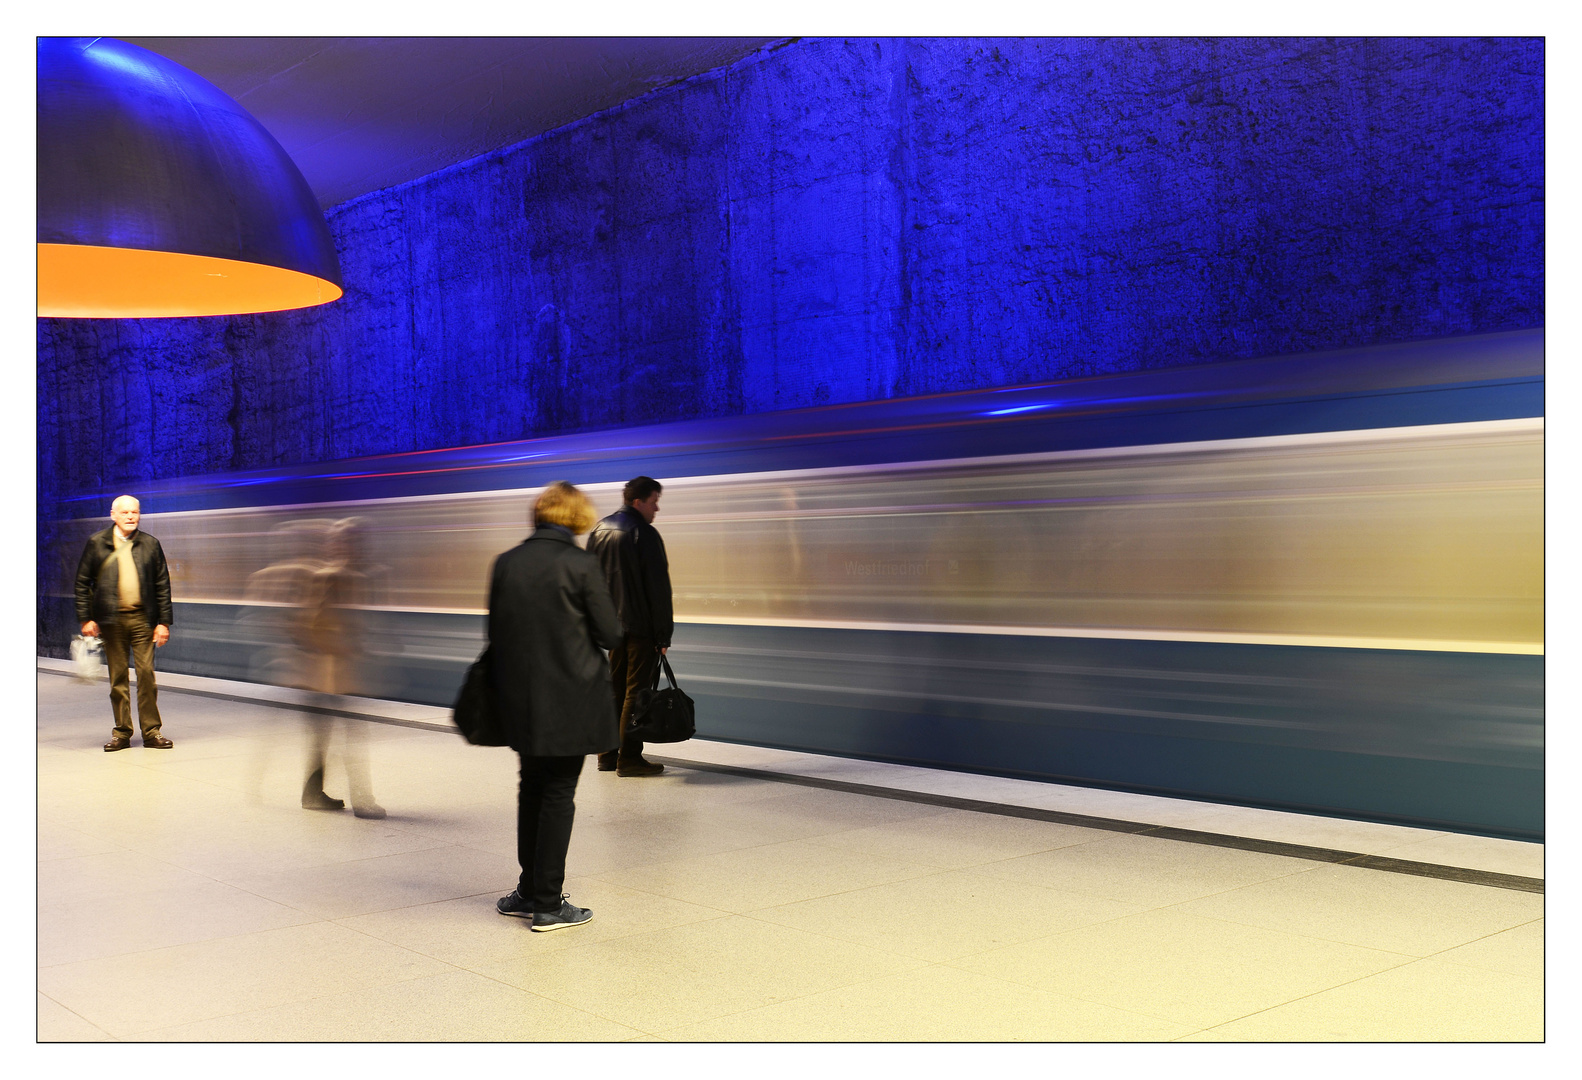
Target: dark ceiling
(360, 114)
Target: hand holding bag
(474, 711)
(662, 715)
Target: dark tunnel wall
(841, 220)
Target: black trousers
(544, 811)
(634, 664)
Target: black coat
(638, 572)
(549, 615)
(99, 585)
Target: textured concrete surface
(845, 220)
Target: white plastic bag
(87, 657)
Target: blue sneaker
(568, 915)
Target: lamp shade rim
(90, 281)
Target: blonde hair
(562, 504)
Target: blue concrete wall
(841, 220)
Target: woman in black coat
(550, 614)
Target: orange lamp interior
(83, 282)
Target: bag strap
(664, 665)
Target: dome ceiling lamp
(159, 195)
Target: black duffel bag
(474, 711)
(662, 715)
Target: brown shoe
(157, 742)
(117, 743)
(607, 762)
(640, 767)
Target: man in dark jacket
(633, 559)
(549, 616)
(123, 593)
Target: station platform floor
(747, 894)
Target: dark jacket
(549, 615)
(99, 585)
(633, 558)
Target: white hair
(119, 499)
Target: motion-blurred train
(1310, 582)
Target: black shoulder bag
(474, 711)
(662, 715)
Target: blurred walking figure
(329, 636)
(123, 592)
(632, 556)
(268, 619)
(275, 595)
(549, 616)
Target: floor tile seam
(1064, 892)
(863, 981)
(312, 920)
(1177, 1020)
(1485, 970)
(1191, 899)
(1319, 992)
(952, 868)
(1078, 928)
(341, 921)
(1486, 937)
(164, 771)
(930, 961)
(815, 841)
(140, 853)
(78, 1015)
(1068, 993)
(394, 945)
(658, 896)
(834, 939)
(703, 973)
(847, 892)
(144, 1034)
(651, 891)
(984, 867)
(319, 867)
(686, 969)
(1241, 924)
(626, 938)
(715, 854)
(1094, 895)
(1441, 958)
(1407, 958)
(542, 997)
(1364, 860)
(604, 875)
(776, 1005)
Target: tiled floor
(728, 907)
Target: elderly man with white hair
(123, 594)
